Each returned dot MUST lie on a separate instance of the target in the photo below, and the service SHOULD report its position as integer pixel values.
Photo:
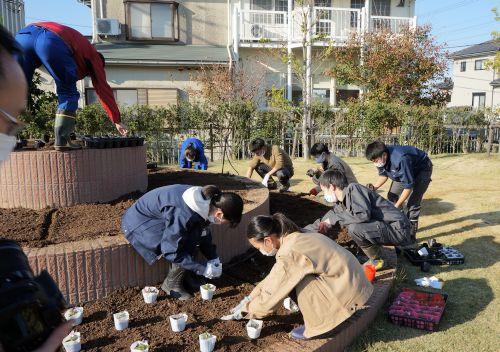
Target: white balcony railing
(332, 24)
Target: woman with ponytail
(193, 155)
(173, 222)
(326, 280)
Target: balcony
(255, 28)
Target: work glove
(215, 261)
(313, 192)
(371, 187)
(290, 305)
(236, 311)
(212, 271)
(324, 227)
(265, 180)
(311, 172)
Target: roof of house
(481, 49)
(131, 53)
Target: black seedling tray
(438, 255)
(112, 142)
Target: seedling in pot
(139, 346)
(207, 291)
(121, 320)
(72, 342)
(178, 322)
(254, 327)
(207, 342)
(75, 315)
(150, 294)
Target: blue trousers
(42, 47)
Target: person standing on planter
(410, 170)
(326, 280)
(68, 57)
(193, 155)
(328, 161)
(268, 161)
(173, 222)
(371, 220)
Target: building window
(123, 97)
(381, 8)
(356, 4)
(463, 66)
(478, 100)
(346, 95)
(153, 20)
(480, 65)
(321, 95)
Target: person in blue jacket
(173, 222)
(410, 170)
(193, 154)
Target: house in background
(153, 47)
(12, 15)
(473, 84)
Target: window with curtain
(478, 100)
(381, 7)
(152, 20)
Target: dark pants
(414, 202)
(283, 174)
(370, 236)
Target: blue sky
(455, 22)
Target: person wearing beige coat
(328, 281)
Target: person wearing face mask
(328, 161)
(268, 161)
(326, 280)
(371, 220)
(193, 155)
(410, 170)
(173, 222)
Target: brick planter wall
(88, 270)
(39, 179)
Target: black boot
(192, 282)
(173, 284)
(413, 230)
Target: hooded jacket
(201, 159)
(171, 222)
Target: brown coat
(329, 282)
(274, 157)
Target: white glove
(265, 180)
(215, 261)
(236, 311)
(212, 271)
(290, 305)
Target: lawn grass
(461, 209)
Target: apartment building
(12, 14)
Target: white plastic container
(75, 315)
(121, 320)
(423, 252)
(150, 294)
(207, 291)
(178, 322)
(72, 342)
(207, 342)
(139, 346)
(254, 327)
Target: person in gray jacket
(371, 220)
(328, 161)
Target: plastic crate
(402, 315)
(438, 255)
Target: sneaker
(284, 187)
(379, 264)
(298, 333)
(272, 185)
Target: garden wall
(39, 179)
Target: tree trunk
(295, 140)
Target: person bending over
(193, 155)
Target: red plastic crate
(418, 309)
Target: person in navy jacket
(410, 170)
(173, 222)
(193, 154)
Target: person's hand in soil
(324, 227)
(121, 128)
(54, 341)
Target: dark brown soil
(24, 225)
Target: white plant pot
(150, 297)
(77, 317)
(121, 320)
(254, 327)
(207, 344)
(72, 345)
(207, 293)
(135, 345)
(178, 322)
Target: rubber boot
(173, 284)
(64, 126)
(284, 187)
(413, 230)
(374, 253)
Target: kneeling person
(269, 161)
(193, 155)
(173, 222)
(327, 281)
(371, 220)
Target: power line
(472, 36)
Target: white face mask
(380, 164)
(213, 219)
(269, 254)
(7, 144)
(331, 198)
(321, 159)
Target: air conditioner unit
(108, 27)
(257, 31)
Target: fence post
(490, 139)
(211, 143)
